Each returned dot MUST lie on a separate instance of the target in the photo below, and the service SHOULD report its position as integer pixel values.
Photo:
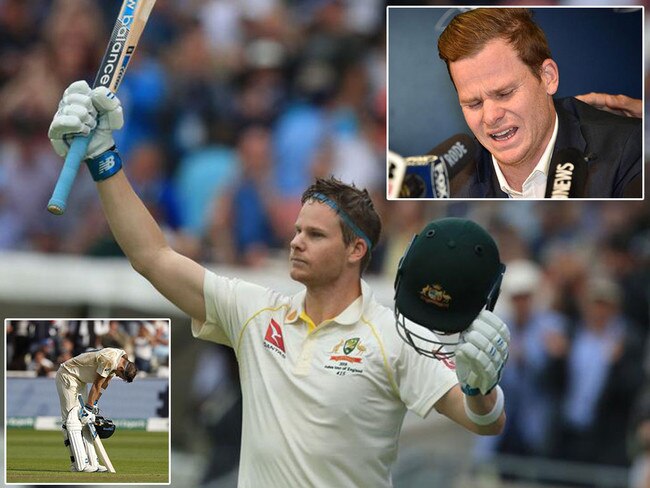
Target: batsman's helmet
(449, 272)
(105, 427)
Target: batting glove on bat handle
(481, 354)
(92, 408)
(86, 416)
(82, 130)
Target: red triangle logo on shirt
(274, 335)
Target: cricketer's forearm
(94, 394)
(133, 227)
(178, 278)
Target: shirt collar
(535, 184)
(351, 315)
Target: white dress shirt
(535, 184)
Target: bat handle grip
(59, 199)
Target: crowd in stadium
(231, 109)
(42, 346)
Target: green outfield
(35, 456)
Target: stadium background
(231, 108)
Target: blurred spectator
(217, 395)
(29, 167)
(406, 219)
(80, 20)
(354, 157)
(19, 337)
(623, 257)
(19, 28)
(538, 340)
(143, 347)
(46, 346)
(243, 231)
(161, 347)
(9, 343)
(116, 337)
(301, 130)
(602, 378)
(84, 334)
(41, 364)
(141, 93)
(26, 336)
(148, 173)
(567, 269)
(65, 351)
(201, 179)
(262, 89)
(199, 103)
(640, 441)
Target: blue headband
(346, 218)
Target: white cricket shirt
(85, 365)
(322, 406)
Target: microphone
(567, 175)
(428, 176)
(396, 172)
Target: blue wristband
(105, 165)
(469, 391)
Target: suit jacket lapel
(569, 133)
(486, 184)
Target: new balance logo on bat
(106, 165)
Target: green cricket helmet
(448, 274)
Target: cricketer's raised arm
(177, 277)
(124, 39)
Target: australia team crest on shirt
(346, 357)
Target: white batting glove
(80, 111)
(92, 408)
(482, 353)
(86, 416)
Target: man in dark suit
(501, 67)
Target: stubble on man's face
(318, 253)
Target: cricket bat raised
(124, 39)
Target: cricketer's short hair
(469, 32)
(356, 204)
(130, 370)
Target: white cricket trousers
(68, 387)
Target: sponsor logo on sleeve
(273, 339)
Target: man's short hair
(469, 32)
(356, 204)
(130, 370)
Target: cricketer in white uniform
(96, 368)
(326, 379)
(323, 405)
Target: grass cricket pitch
(40, 457)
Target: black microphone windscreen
(429, 176)
(456, 152)
(567, 175)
